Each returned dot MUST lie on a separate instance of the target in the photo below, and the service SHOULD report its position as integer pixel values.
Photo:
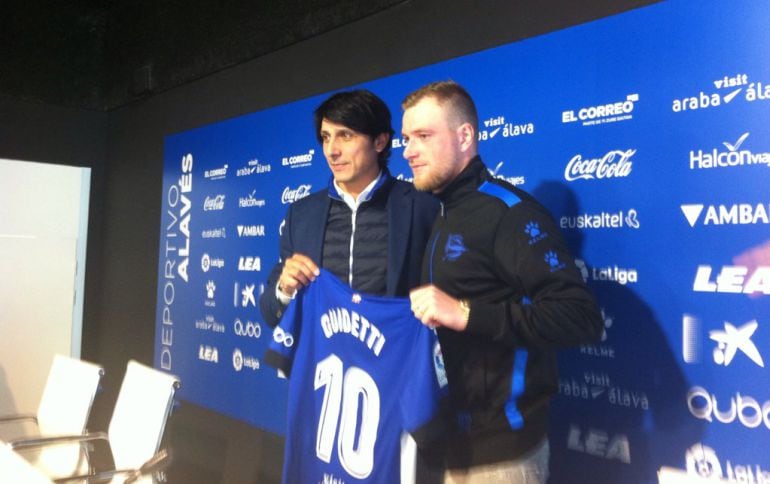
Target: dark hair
(459, 100)
(361, 111)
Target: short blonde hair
(449, 91)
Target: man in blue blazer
(367, 228)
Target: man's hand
(298, 271)
(433, 307)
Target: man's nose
(332, 148)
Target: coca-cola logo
(214, 203)
(615, 164)
(292, 195)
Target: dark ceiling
(101, 54)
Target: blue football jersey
(361, 371)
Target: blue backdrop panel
(646, 134)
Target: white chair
(66, 400)
(13, 468)
(64, 408)
(138, 420)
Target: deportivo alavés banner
(646, 134)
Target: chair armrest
(25, 444)
(17, 418)
(156, 463)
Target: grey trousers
(531, 468)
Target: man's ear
(381, 141)
(466, 135)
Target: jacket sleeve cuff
(485, 319)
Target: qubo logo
(733, 279)
(250, 329)
(454, 247)
(745, 409)
(735, 214)
(729, 341)
(599, 444)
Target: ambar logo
(735, 214)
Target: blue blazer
(410, 217)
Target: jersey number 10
(343, 390)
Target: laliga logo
(614, 164)
(237, 359)
(703, 461)
(291, 196)
(704, 406)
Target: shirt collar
(364, 196)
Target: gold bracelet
(465, 307)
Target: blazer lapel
(399, 227)
(315, 229)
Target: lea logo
(599, 444)
(208, 353)
(248, 263)
(732, 279)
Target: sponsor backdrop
(648, 137)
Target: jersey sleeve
(558, 309)
(424, 400)
(270, 307)
(280, 354)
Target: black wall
(124, 147)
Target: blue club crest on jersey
(454, 247)
(553, 261)
(533, 230)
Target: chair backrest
(68, 396)
(63, 410)
(141, 410)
